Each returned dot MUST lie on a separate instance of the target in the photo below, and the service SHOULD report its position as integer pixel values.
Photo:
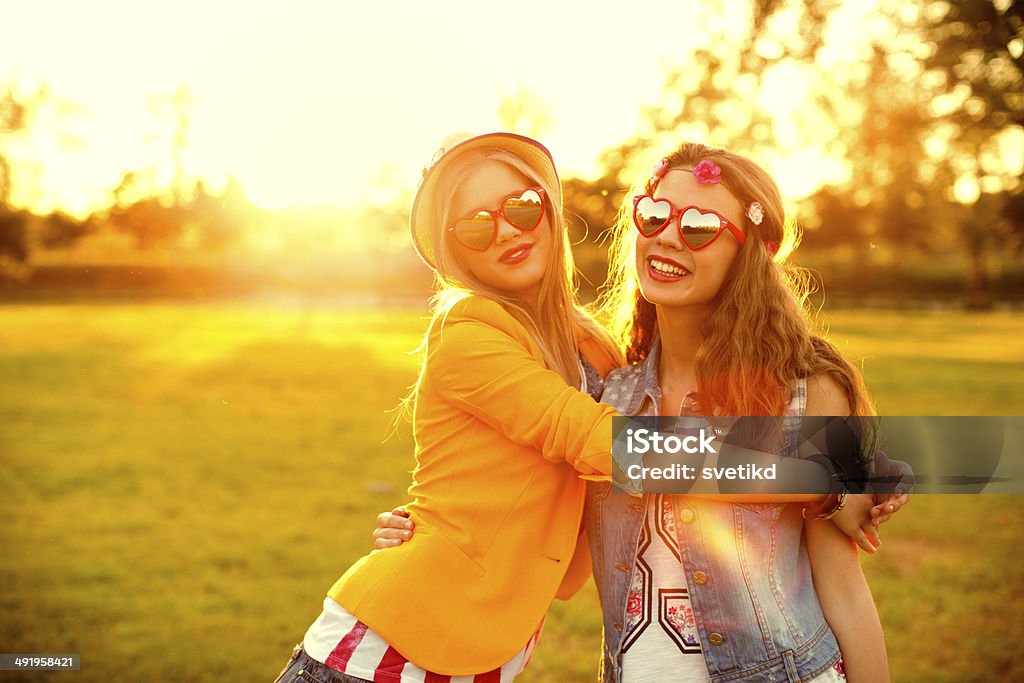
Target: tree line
(922, 117)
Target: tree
(13, 236)
(59, 230)
(150, 221)
(979, 58)
(175, 111)
(24, 109)
(13, 120)
(15, 113)
(145, 206)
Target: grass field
(179, 486)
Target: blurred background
(208, 297)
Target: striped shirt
(340, 641)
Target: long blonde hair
(554, 323)
(759, 339)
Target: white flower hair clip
(755, 212)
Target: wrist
(828, 508)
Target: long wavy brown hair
(759, 339)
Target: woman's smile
(665, 269)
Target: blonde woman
(504, 439)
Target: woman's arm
(480, 358)
(846, 602)
(861, 513)
(858, 518)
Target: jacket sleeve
(485, 363)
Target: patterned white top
(660, 633)
(661, 625)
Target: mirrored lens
(476, 231)
(699, 228)
(650, 215)
(524, 211)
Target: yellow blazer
(503, 447)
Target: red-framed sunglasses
(698, 227)
(523, 209)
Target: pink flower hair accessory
(707, 172)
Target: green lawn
(181, 484)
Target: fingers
(392, 520)
(881, 513)
(393, 534)
(887, 507)
(862, 540)
(390, 538)
(393, 529)
(871, 532)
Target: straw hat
(529, 150)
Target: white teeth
(667, 268)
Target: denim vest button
(700, 578)
(622, 567)
(618, 627)
(636, 506)
(686, 515)
(716, 638)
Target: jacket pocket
(451, 555)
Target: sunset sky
(319, 102)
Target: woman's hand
(886, 505)
(864, 512)
(393, 529)
(891, 498)
(857, 521)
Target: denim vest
(746, 565)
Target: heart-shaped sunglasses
(698, 227)
(523, 210)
